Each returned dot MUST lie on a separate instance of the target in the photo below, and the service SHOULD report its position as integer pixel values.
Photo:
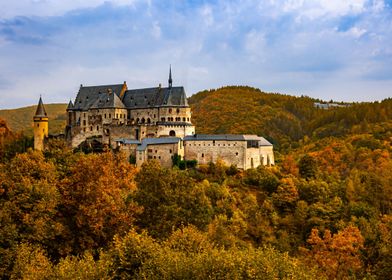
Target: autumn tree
(169, 199)
(307, 166)
(338, 255)
(95, 201)
(28, 202)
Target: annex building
(155, 123)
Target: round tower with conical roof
(41, 127)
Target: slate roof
(70, 105)
(40, 112)
(107, 100)
(94, 97)
(157, 141)
(227, 137)
(155, 97)
(127, 141)
(87, 96)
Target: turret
(40, 126)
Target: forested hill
(283, 119)
(21, 119)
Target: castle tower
(40, 126)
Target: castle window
(84, 114)
(137, 120)
(116, 116)
(37, 124)
(170, 110)
(202, 155)
(97, 128)
(143, 120)
(183, 119)
(148, 120)
(163, 119)
(159, 157)
(110, 116)
(84, 122)
(170, 151)
(172, 133)
(149, 157)
(155, 157)
(155, 116)
(178, 110)
(188, 119)
(213, 142)
(156, 151)
(236, 154)
(105, 116)
(84, 129)
(149, 150)
(91, 128)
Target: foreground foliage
(324, 211)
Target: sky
(327, 49)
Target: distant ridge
(21, 119)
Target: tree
(307, 167)
(170, 198)
(337, 255)
(28, 203)
(95, 201)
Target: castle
(152, 123)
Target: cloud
(319, 48)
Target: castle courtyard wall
(206, 151)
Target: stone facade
(243, 151)
(155, 123)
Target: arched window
(172, 133)
(148, 120)
(178, 110)
(143, 120)
(163, 119)
(137, 120)
(170, 110)
(183, 119)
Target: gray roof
(128, 141)
(157, 141)
(87, 96)
(108, 96)
(40, 112)
(155, 97)
(227, 137)
(107, 100)
(70, 105)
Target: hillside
(282, 119)
(21, 119)
(323, 211)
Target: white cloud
(156, 30)
(208, 17)
(356, 32)
(209, 44)
(11, 9)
